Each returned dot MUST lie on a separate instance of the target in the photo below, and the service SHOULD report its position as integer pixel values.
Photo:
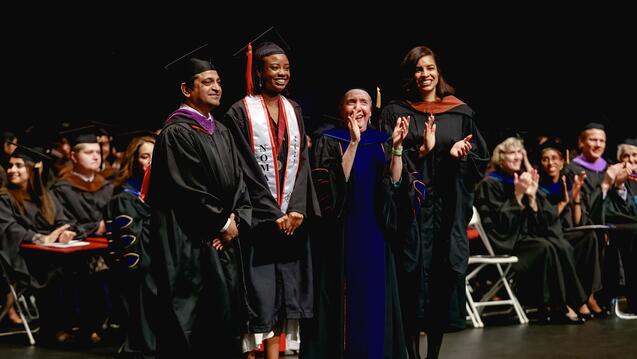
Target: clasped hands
(60, 234)
(290, 222)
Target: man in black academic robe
(199, 205)
(84, 193)
(592, 144)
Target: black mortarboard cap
(593, 125)
(630, 141)
(102, 128)
(188, 65)
(552, 144)
(84, 134)
(122, 140)
(34, 155)
(269, 42)
(7, 136)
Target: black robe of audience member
(83, 202)
(17, 228)
(591, 195)
(129, 223)
(545, 272)
(585, 243)
(52, 277)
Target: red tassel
(143, 193)
(249, 71)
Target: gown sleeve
(501, 215)
(328, 177)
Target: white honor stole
(263, 146)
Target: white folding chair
(474, 308)
(27, 311)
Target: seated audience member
(519, 220)
(29, 213)
(566, 198)
(128, 220)
(84, 192)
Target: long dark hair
(36, 192)
(408, 68)
(130, 167)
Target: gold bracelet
(397, 151)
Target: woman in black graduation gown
(269, 132)
(364, 202)
(29, 213)
(519, 220)
(199, 208)
(449, 156)
(566, 198)
(128, 231)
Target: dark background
(523, 73)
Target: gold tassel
(378, 101)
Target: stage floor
(609, 338)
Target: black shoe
(544, 316)
(578, 320)
(588, 316)
(604, 313)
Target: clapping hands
(400, 131)
(462, 147)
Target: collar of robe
(599, 165)
(501, 177)
(446, 104)
(208, 124)
(98, 182)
